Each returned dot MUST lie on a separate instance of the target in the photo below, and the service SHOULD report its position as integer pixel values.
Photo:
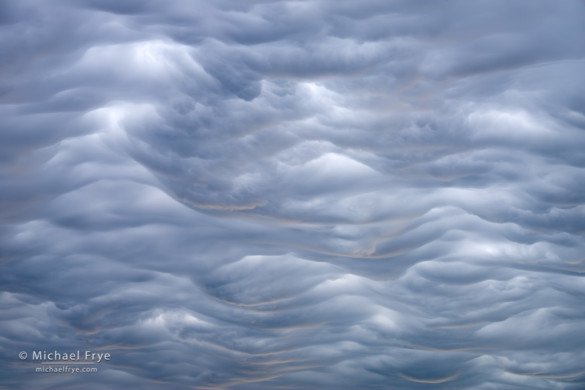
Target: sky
(320, 194)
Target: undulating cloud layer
(294, 194)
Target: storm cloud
(294, 194)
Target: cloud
(286, 194)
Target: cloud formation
(285, 194)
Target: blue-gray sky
(328, 194)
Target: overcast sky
(323, 194)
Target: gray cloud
(277, 194)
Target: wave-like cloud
(324, 194)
